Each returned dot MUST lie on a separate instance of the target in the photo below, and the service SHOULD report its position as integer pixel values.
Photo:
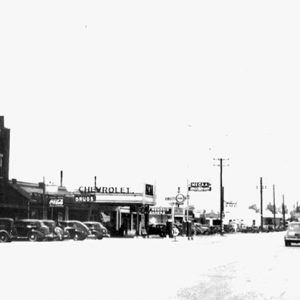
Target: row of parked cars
(161, 229)
(41, 230)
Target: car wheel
(33, 237)
(76, 237)
(100, 237)
(4, 238)
(287, 244)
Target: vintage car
(31, 229)
(74, 229)
(56, 233)
(98, 231)
(292, 234)
(157, 229)
(6, 229)
(201, 229)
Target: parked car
(97, 229)
(31, 229)
(56, 232)
(6, 229)
(214, 229)
(201, 229)
(157, 229)
(228, 228)
(74, 229)
(292, 234)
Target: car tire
(4, 237)
(33, 237)
(287, 244)
(76, 236)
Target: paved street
(236, 266)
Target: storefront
(121, 210)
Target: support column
(67, 213)
(117, 219)
(137, 222)
(90, 210)
(131, 221)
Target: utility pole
(283, 211)
(221, 194)
(274, 207)
(44, 199)
(261, 187)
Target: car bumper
(292, 239)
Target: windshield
(294, 227)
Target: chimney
(1, 121)
(61, 178)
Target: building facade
(120, 209)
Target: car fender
(6, 232)
(39, 233)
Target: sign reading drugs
(199, 187)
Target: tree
(280, 209)
(254, 207)
(272, 208)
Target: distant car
(201, 229)
(97, 229)
(74, 229)
(31, 229)
(6, 229)
(157, 229)
(292, 234)
(228, 228)
(56, 233)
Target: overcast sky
(153, 91)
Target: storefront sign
(56, 202)
(199, 186)
(160, 210)
(85, 198)
(230, 204)
(104, 190)
(149, 189)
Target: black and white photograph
(149, 150)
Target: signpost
(180, 198)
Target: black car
(31, 229)
(56, 233)
(158, 229)
(74, 229)
(6, 229)
(97, 229)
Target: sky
(140, 92)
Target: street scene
(233, 266)
(149, 150)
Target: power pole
(274, 207)
(261, 187)
(283, 211)
(221, 194)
